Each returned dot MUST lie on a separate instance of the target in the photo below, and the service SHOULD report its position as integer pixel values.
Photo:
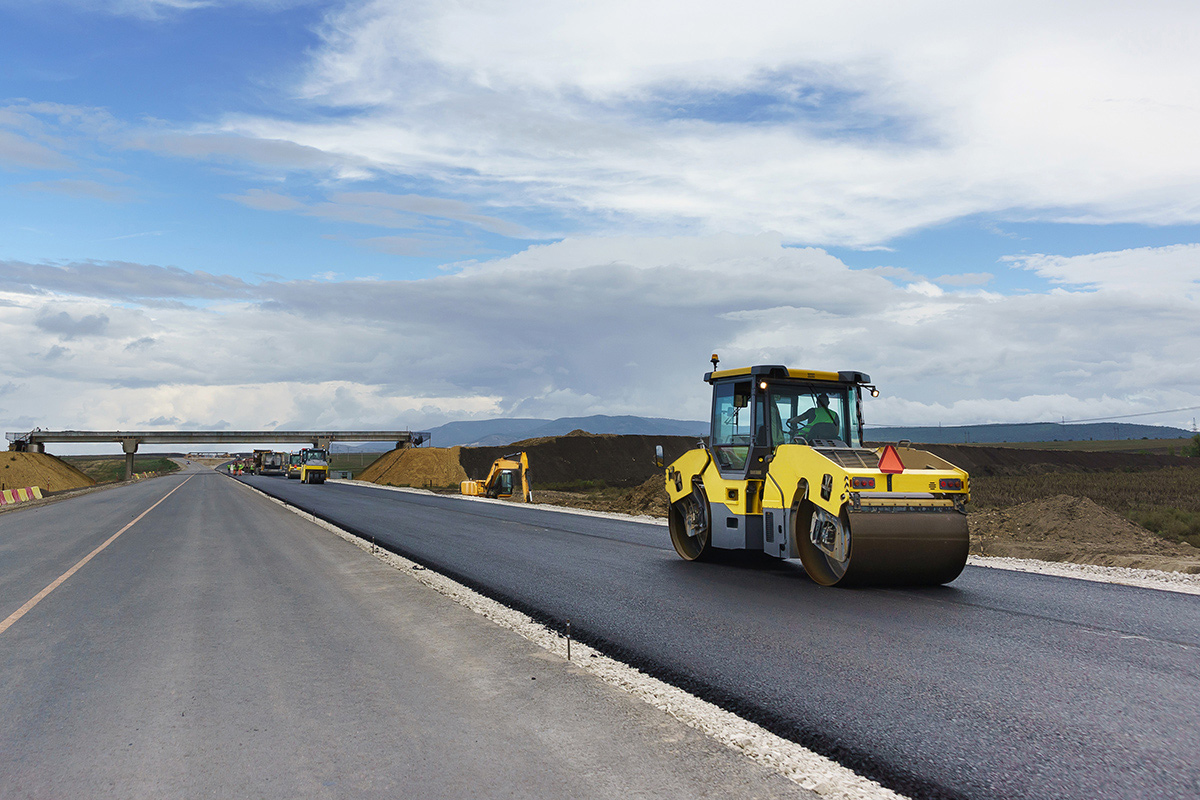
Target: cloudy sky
(296, 213)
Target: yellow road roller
(785, 472)
(314, 465)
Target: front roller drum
(912, 548)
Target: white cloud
(1164, 271)
(876, 118)
(615, 326)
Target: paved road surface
(223, 647)
(1002, 685)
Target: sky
(295, 214)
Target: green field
(104, 469)
(355, 462)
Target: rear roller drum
(691, 532)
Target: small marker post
(568, 640)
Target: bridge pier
(130, 447)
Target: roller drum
(906, 547)
(902, 548)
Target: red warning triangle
(889, 460)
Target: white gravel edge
(810, 770)
(1180, 582)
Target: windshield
(314, 455)
(817, 414)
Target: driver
(822, 413)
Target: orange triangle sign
(889, 460)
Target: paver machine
(785, 472)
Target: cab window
(731, 429)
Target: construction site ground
(1037, 504)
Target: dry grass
(1166, 501)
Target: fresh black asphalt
(1001, 685)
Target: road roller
(785, 472)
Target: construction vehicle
(785, 472)
(293, 465)
(272, 464)
(508, 479)
(314, 465)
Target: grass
(1159, 447)
(1165, 501)
(105, 469)
(355, 462)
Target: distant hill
(1027, 432)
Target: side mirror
(659, 458)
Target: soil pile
(1076, 530)
(420, 467)
(19, 470)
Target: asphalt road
(1001, 685)
(223, 647)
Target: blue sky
(1008, 165)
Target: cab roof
(780, 371)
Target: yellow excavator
(785, 472)
(508, 479)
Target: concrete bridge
(36, 440)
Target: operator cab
(758, 409)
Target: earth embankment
(577, 459)
(583, 458)
(21, 470)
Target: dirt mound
(581, 457)
(422, 467)
(650, 498)
(1077, 530)
(19, 470)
